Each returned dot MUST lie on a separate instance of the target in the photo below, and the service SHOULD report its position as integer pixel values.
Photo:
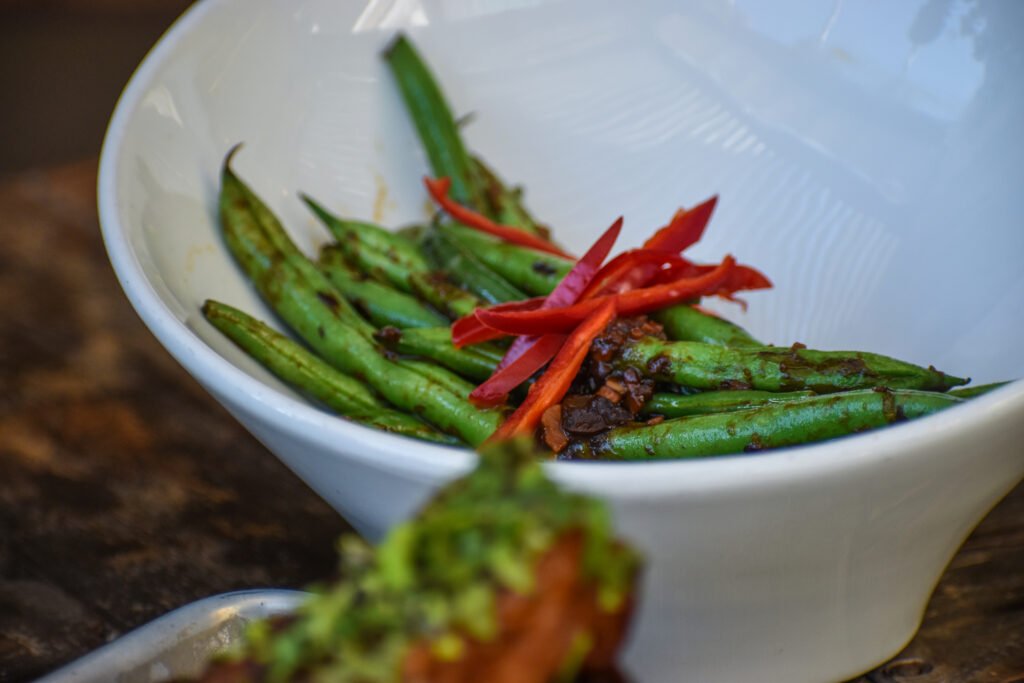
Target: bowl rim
(307, 423)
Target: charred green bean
(704, 402)
(530, 270)
(686, 323)
(476, 362)
(434, 123)
(310, 375)
(768, 426)
(381, 253)
(971, 392)
(379, 302)
(436, 290)
(321, 317)
(466, 270)
(506, 204)
(707, 366)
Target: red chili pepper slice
(680, 269)
(527, 355)
(469, 330)
(745, 278)
(630, 270)
(637, 267)
(438, 189)
(634, 302)
(519, 346)
(684, 230)
(535, 352)
(556, 380)
(742, 277)
(576, 280)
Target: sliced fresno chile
(634, 302)
(742, 278)
(438, 189)
(527, 355)
(469, 330)
(684, 230)
(630, 270)
(568, 290)
(636, 268)
(496, 389)
(556, 380)
(519, 346)
(679, 269)
(579, 278)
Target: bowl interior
(865, 156)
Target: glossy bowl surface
(867, 158)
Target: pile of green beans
(319, 314)
(372, 315)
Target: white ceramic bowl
(867, 158)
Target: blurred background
(62, 65)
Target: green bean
(311, 376)
(258, 235)
(261, 257)
(971, 392)
(476, 362)
(451, 382)
(378, 252)
(373, 236)
(380, 303)
(425, 337)
(528, 269)
(466, 270)
(412, 233)
(706, 366)
(325, 321)
(686, 323)
(506, 205)
(768, 426)
(702, 403)
(436, 290)
(434, 123)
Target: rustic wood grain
(125, 491)
(63, 64)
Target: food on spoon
(503, 578)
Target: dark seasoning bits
(602, 397)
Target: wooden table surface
(126, 491)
